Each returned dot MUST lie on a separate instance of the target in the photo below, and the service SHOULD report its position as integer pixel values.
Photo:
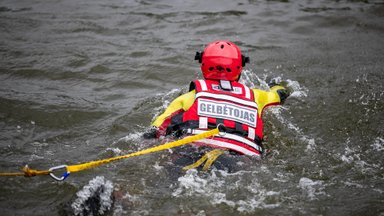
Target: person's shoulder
(265, 97)
(259, 91)
(191, 93)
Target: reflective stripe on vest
(247, 92)
(219, 108)
(226, 97)
(231, 146)
(251, 133)
(229, 136)
(203, 120)
(203, 85)
(235, 109)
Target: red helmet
(221, 60)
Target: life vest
(233, 107)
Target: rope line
(27, 172)
(208, 158)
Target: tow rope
(27, 172)
(208, 158)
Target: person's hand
(283, 93)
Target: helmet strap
(245, 59)
(226, 85)
(199, 56)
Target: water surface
(81, 80)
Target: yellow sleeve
(183, 102)
(266, 98)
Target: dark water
(81, 80)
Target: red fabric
(166, 122)
(192, 113)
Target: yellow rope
(79, 167)
(208, 158)
(12, 174)
(27, 172)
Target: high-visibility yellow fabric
(185, 101)
(209, 158)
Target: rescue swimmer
(220, 100)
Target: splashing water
(311, 188)
(297, 91)
(94, 197)
(166, 100)
(240, 190)
(252, 80)
(378, 145)
(92, 74)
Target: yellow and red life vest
(235, 108)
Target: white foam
(298, 90)
(34, 157)
(249, 78)
(90, 190)
(350, 154)
(346, 159)
(166, 100)
(190, 184)
(216, 189)
(354, 155)
(157, 167)
(118, 210)
(378, 145)
(116, 151)
(131, 137)
(39, 144)
(378, 190)
(311, 188)
(201, 213)
(311, 143)
(277, 112)
(352, 184)
(118, 207)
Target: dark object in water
(93, 199)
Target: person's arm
(275, 96)
(281, 89)
(180, 104)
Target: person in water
(219, 100)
